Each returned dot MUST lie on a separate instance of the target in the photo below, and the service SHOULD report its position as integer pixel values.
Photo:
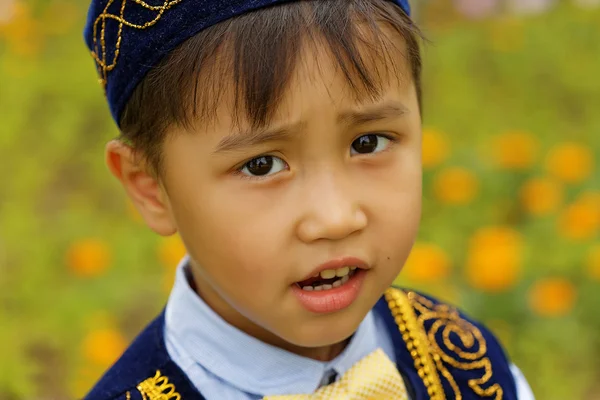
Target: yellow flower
(103, 346)
(515, 150)
(593, 262)
(581, 219)
(427, 263)
(88, 258)
(455, 185)
(435, 148)
(570, 162)
(541, 196)
(552, 297)
(171, 251)
(494, 259)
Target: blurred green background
(511, 226)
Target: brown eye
(367, 144)
(263, 166)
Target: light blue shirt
(227, 364)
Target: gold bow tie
(375, 377)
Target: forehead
(320, 75)
(320, 83)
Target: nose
(332, 211)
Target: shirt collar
(242, 360)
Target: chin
(325, 331)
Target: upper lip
(337, 263)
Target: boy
(281, 140)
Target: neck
(325, 353)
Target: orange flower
(515, 150)
(435, 148)
(455, 185)
(88, 258)
(103, 347)
(171, 251)
(593, 262)
(570, 162)
(581, 220)
(494, 259)
(552, 297)
(427, 263)
(541, 196)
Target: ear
(144, 190)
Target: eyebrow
(249, 138)
(245, 139)
(372, 114)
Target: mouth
(331, 290)
(328, 279)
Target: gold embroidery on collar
(416, 342)
(158, 388)
(447, 320)
(99, 49)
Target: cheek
(398, 212)
(232, 239)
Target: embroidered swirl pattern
(157, 388)
(105, 62)
(469, 355)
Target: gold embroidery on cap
(447, 320)
(416, 342)
(99, 49)
(158, 388)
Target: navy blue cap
(128, 37)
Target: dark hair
(257, 52)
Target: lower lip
(331, 300)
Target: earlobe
(144, 190)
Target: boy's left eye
(371, 143)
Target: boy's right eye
(263, 166)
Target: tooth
(352, 268)
(328, 274)
(337, 283)
(345, 279)
(327, 287)
(342, 271)
(318, 288)
(308, 288)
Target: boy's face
(330, 179)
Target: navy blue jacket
(438, 349)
